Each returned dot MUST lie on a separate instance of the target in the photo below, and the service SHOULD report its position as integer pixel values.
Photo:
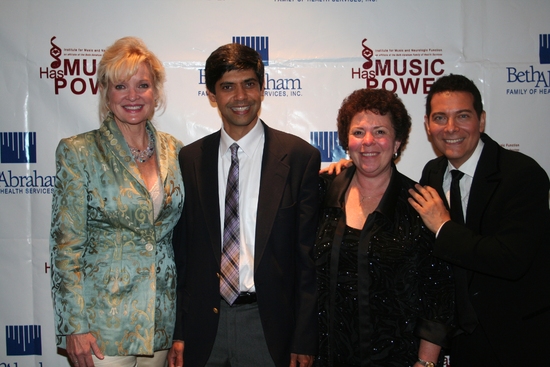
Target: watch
(426, 363)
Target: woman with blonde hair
(118, 195)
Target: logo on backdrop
(400, 70)
(328, 144)
(533, 79)
(20, 147)
(72, 69)
(260, 44)
(273, 87)
(23, 340)
(544, 48)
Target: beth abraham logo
(23, 340)
(18, 147)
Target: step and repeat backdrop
(316, 52)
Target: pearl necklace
(143, 155)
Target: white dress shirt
(468, 168)
(250, 153)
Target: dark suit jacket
(284, 272)
(505, 248)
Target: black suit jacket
(505, 249)
(284, 271)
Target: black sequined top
(380, 288)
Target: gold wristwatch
(426, 363)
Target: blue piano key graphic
(328, 144)
(18, 147)
(260, 44)
(23, 340)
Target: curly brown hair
(380, 102)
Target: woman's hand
(80, 348)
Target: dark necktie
(467, 318)
(457, 214)
(229, 279)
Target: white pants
(158, 360)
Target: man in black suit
(498, 243)
(273, 320)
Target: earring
(395, 155)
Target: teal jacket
(113, 271)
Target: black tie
(457, 214)
(467, 318)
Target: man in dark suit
(273, 319)
(498, 241)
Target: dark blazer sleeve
(305, 334)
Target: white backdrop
(318, 53)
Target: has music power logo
(400, 70)
(23, 340)
(72, 69)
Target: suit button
(215, 310)
(149, 247)
(218, 275)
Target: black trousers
(240, 340)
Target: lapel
(487, 176)
(162, 152)
(205, 169)
(336, 193)
(273, 180)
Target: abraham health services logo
(328, 144)
(23, 340)
(18, 147)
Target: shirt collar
(247, 143)
(469, 167)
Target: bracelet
(425, 363)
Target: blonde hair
(120, 62)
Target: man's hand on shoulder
(426, 201)
(175, 354)
(337, 167)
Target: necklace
(364, 198)
(143, 155)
